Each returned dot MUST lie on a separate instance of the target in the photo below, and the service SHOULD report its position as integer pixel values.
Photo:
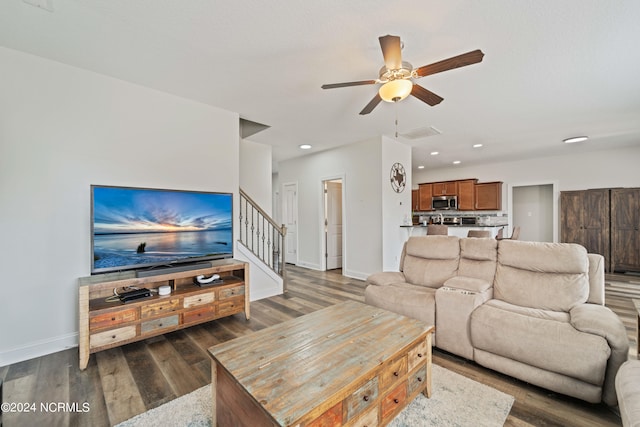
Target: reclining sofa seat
(531, 310)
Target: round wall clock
(398, 177)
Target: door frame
(555, 196)
(323, 244)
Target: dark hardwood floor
(125, 381)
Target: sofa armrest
(467, 284)
(600, 320)
(385, 278)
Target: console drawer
(200, 299)
(231, 306)
(113, 318)
(199, 314)
(361, 399)
(161, 307)
(111, 337)
(158, 324)
(231, 292)
(417, 355)
(370, 419)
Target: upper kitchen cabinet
(488, 196)
(425, 193)
(447, 188)
(625, 229)
(467, 194)
(584, 219)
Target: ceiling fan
(396, 75)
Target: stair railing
(260, 234)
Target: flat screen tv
(138, 228)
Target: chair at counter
(514, 235)
(479, 233)
(437, 230)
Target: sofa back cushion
(478, 258)
(431, 260)
(548, 276)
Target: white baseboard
(355, 274)
(38, 348)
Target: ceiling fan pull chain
(396, 120)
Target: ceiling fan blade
(425, 95)
(451, 63)
(346, 84)
(391, 51)
(371, 105)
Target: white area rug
(455, 401)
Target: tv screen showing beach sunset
(135, 227)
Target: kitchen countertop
(456, 225)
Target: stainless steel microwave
(444, 202)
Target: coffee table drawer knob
(395, 374)
(365, 398)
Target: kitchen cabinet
(447, 188)
(415, 199)
(488, 196)
(625, 229)
(584, 219)
(425, 193)
(466, 194)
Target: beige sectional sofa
(531, 310)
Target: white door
(333, 222)
(290, 218)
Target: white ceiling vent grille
(421, 133)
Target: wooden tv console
(104, 324)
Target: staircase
(262, 237)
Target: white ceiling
(552, 69)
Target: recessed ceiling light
(305, 147)
(477, 145)
(575, 139)
(420, 167)
(456, 162)
(434, 153)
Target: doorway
(533, 210)
(333, 224)
(290, 219)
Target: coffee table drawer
(394, 401)
(198, 314)
(393, 372)
(417, 380)
(370, 419)
(361, 399)
(417, 355)
(231, 292)
(332, 417)
(231, 306)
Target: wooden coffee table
(347, 364)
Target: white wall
(396, 207)
(61, 130)
(256, 173)
(573, 171)
(359, 164)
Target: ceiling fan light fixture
(395, 90)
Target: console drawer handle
(366, 398)
(419, 379)
(396, 401)
(395, 374)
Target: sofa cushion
(628, 388)
(470, 284)
(385, 278)
(418, 302)
(539, 339)
(431, 260)
(478, 258)
(548, 276)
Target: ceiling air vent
(421, 133)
